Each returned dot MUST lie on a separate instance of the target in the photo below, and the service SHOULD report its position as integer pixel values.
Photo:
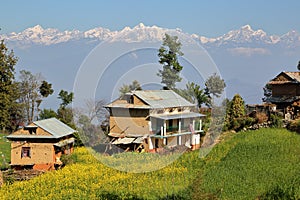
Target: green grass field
(261, 164)
(4, 151)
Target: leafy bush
(242, 122)
(276, 121)
(261, 117)
(294, 126)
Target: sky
(208, 18)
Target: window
(25, 152)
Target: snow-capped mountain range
(246, 58)
(244, 35)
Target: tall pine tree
(168, 56)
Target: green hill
(261, 164)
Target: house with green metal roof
(40, 144)
(154, 119)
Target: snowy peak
(246, 28)
(242, 36)
(39, 35)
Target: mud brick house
(285, 95)
(40, 144)
(153, 119)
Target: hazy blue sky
(209, 18)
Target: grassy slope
(253, 163)
(4, 151)
(245, 166)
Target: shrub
(242, 122)
(261, 117)
(294, 126)
(276, 121)
(67, 159)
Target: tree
(46, 89)
(30, 96)
(236, 110)
(168, 56)
(214, 85)
(64, 113)
(298, 66)
(135, 85)
(47, 113)
(267, 92)
(90, 121)
(194, 94)
(95, 110)
(66, 98)
(8, 88)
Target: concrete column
(179, 126)
(165, 128)
(193, 124)
(150, 126)
(162, 131)
(150, 143)
(200, 126)
(179, 140)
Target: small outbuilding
(40, 144)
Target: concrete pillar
(179, 140)
(194, 124)
(165, 128)
(150, 143)
(195, 141)
(179, 126)
(150, 126)
(200, 124)
(162, 131)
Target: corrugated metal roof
(162, 98)
(55, 127)
(65, 142)
(124, 141)
(12, 136)
(178, 116)
(127, 105)
(128, 140)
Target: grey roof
(162, 98)
(178, 116)
(56, 128)
(127, 105)
(65, 142)
(29, 136)
(128, 140)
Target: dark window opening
(156, 143)
(25, 152)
